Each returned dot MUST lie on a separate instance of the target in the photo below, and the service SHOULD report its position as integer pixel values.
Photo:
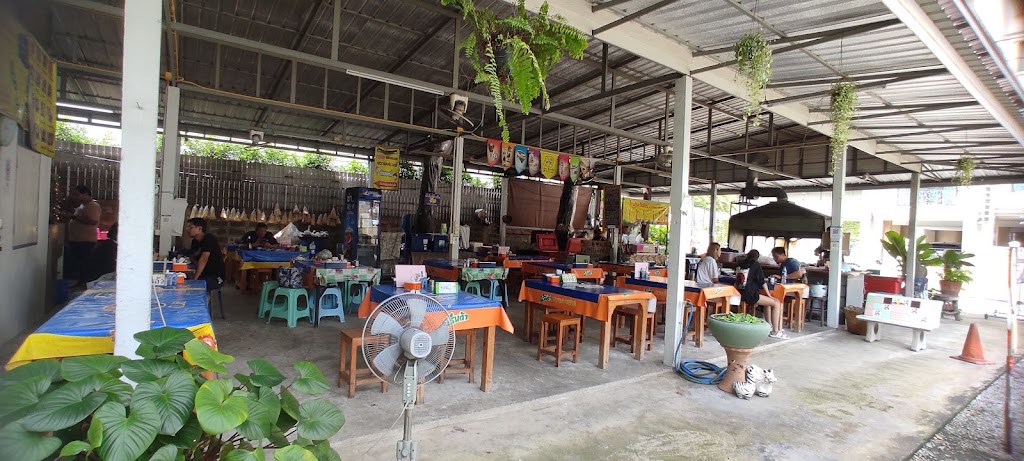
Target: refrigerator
(362, 225)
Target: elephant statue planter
(738, 334)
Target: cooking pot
(818, 291)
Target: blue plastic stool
(332, 304)
(267, 297)
(290, 309)
(361, 292)
(473, 287)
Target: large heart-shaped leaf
(207, 358)
(19, 397)
(162, 342)
(145, 370)
(167, 453)
(127, 436)
(115, 389)
(219, 410)
(294, 453)
(79, 368)
(246, 455)
(319, 419)
(18, 443)
(311, 380)
(324, 452)
(264, 374)
(290, 404)
(64, 407)
(46, 367)
(172, 396)
(264, 408)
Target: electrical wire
(696, 371)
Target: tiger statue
(761, 379)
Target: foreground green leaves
(82, 408)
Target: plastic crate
(547, 242)
(881, 284)
(420, 242)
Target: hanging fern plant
(843, 108)
(964, 171)
(513, 55)
(754, 62)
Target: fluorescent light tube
(411, 86)
(84, 107)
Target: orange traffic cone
(973, 352)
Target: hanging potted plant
(754, 63)
(513, 55)
(843, 106)
(954, 274)
(964, 171)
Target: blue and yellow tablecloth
(86, 325)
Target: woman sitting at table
(707, 268)
(755, 293)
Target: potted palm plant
(954, 274)
(896, 245)
(513, 55)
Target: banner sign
(538, 163)
(385, 168)
(432, 199)
(493, 152)
(28, 91)
(644, 211)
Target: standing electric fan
(407, 341)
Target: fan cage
(397, 307)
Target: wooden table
(516, 262)
(466, 312)
(261, 259)
(696, 294)
(626, 269)
(796, 313)
(595, 301)
(536, 268)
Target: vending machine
(362, 225)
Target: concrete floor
(838, 397)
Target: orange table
(466, 312)
(594, 301)
(796, 313)
(540, 268)
(694, 293)
(620, 269)
(516, 262)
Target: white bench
(918, 340)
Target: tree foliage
(252, 154)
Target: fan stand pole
(406, 446)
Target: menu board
(910, 312)
(613, 206)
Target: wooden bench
(918, 340)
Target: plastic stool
(290, 309)
(220, 300)
(822, 308)
(358, 299)
(267, 297)
(331, 304)
(473, 287)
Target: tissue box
(446, 287)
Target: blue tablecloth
(586, 291)
(443, 263)
(553, 265)
(460, 300)
(528, 258)
(688, 286)
(263, 256)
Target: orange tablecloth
(487, 316)
(595, 301)
(595, 274)
(698, 296)
(512, 263)
(796, 310)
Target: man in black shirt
(207, 255)
(259, 238)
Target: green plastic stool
(266, 297)
(473, 287)
(289, 310)
(358, 298)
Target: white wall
(23, 270)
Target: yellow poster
(644, 211)
(548, 163)
(385, 168)
(14, 49)
(42, 102)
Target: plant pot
(950, 288)
(853, 324)
(738, 335)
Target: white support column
(615, 236)
(504, 211)
(140, 92)
(911, 270)
(169, 170)
(835, 264)
(456, 222)
(711, 213)
(679, 223)
(617, 175)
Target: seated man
(206, 254)
(259, 238)
(794, 273)
(707, 268)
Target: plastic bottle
(784, 273)
(312, 248)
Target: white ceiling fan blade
(385, 359)
(385, 324)
(439, 336)
(417, 310)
